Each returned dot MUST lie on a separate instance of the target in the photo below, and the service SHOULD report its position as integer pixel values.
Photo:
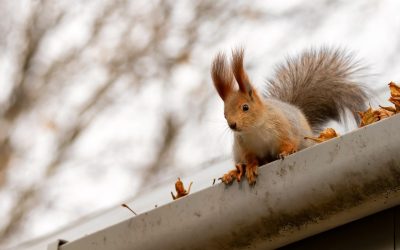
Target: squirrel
(305, 93)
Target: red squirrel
(306, 92)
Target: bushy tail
(322, 83)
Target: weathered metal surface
(311, 191)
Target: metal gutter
(314, 190)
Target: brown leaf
(390, 109)
(368, 117)
(396, 102)
(180, 189)
(325, 135)
(395, 95)
(385, 112)
(394, 89)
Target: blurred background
(101, 101)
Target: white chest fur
(260, 143)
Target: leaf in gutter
(395, 95)
(325, 135)
(368, 117)
(394, 89)
(396, 102)
(385, 112)
(180, 189)
(389, 109)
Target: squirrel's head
(242, 106)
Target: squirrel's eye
(245, 107)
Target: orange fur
(251, 168)
(306, 92)
(261, 131)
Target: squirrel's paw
(283, 154)
(252, 173)
(229, 177)
(237, 174)
(286, 149)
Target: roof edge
(309, 192)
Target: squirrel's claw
(252, 173)
(228, 177)
(283, 154)
(250, 170)
(286, 149)
(240, 171)
(237, 174)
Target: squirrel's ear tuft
(222, 76)
(238, 71)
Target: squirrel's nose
(232, 125)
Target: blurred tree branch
(19, 99)
(121, 63)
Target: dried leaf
(390, 109)
(180, 189)
(368, 117)
(395, 95)
(385, 112)
(396, 102)
(325, 135)
(394, 89)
